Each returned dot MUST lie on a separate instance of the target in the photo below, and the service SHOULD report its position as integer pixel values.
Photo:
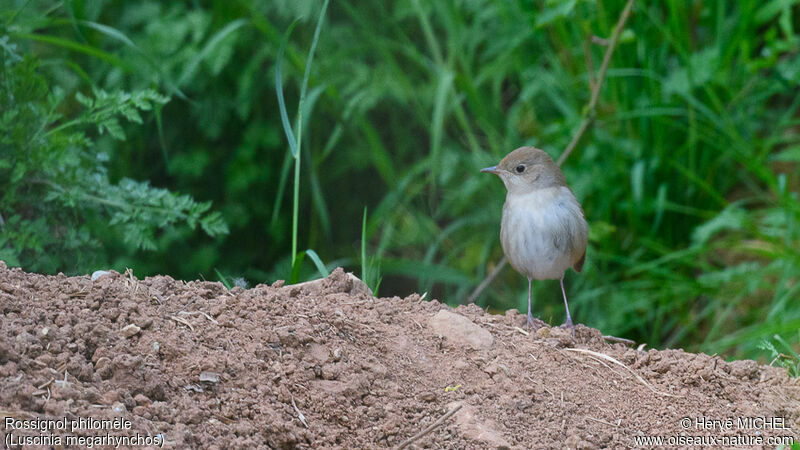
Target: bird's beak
(492, 169)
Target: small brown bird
(544, 231)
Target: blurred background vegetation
(120, 122)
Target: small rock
(577, 442)
(560, 337)
(319, 352)
(99, 273)
(477, 428)
(459, 329)
(103, 367)
(744, 369)
(145, 322)
(130, 330)
(629, 357)
(331, 371)
(119, 408)
(543, 333)
(102, 362)
(110, 397)
(428, 397)
(209, 377)
(359, 287)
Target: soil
(326, 365)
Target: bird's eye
(520, 168)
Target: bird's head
(527, 169)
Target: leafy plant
(789, 360)
(56, 189)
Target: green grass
(295, 144)
(789, 360)
(688, 176)
(370, 268)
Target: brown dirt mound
(325, 365)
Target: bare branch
(601, 77)
(491, 276)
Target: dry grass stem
(183, 321)
(422, 433)
(610, 359)
(619, 340)
(619, 421)
(299, 414)
(211, 319)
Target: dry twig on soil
(299, 414)
(619, 340)
(211, 319)
(422, 433)
(183, 321)
(610, 359)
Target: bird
(543, 230)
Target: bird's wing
(579, 265)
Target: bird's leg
(530, 316)
(566, 306)
(533, 324)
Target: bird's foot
(534, 323)
(568, 324)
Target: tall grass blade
(72, 45)
(364, 274)
(223, 279)
(318, 262)
(313, 49)
(297, 264)
(437, 124)
(287, 127)
(284, 177)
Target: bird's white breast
(543, 232)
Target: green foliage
(790, 361)
(295, 144)
(58, 200)
(323, 271)
(688, 176)
(370, 266)
(223, 279)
